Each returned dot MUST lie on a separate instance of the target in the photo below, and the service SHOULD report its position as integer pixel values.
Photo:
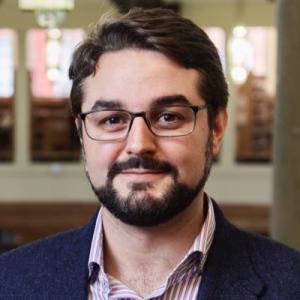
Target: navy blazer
(240, 266)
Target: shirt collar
(194, 260)
(95, 262)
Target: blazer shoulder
(50, 264)
(273, 256)
(77, 237)
(262, 250)
(40, 251)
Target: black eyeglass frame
(195, 109)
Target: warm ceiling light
(46, 4)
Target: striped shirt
(182, 283)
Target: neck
(149, 250)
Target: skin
(140, 78)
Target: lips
(141, 171)
(141, 174)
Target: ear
(219, 126)
(78, 124)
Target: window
(7, 91)
(253, 52)
(217, 35)
(53, 133)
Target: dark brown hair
(159, 30)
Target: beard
(146, 210)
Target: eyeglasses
(165, 121)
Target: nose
(140, 141)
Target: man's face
(145, 179)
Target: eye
(109, 120)
(110, 117)
(169, 117)
(113, 120)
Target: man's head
(148, 167)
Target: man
(149, 99)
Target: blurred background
(43, 188)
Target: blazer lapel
(228, 272)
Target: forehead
(134, 79)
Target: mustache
(143, 163)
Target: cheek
(98, 159)
(188, 155)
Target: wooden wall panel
(26, 222)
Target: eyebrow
(160, 101)
(170, 100)
(101, 103)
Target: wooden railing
(26, 222)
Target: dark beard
(146, 211)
